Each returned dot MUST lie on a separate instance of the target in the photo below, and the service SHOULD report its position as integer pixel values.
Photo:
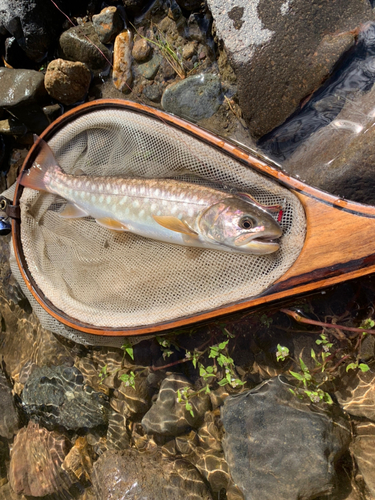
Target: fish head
(240, 225)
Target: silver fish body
(162, 209)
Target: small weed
(128, 379)
(128, 349)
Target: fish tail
(45, 163)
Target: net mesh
(110, 279)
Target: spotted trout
(167, 210)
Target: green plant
(128, 379)
(128, 349)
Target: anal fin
(72, 211)
(113, 224)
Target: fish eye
(247, 222)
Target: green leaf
(303, 366)
(223, 344)
(318, 342)
(189, 408)
(363, 367)
(128, 349)
(327, 398)
(292, 391)
(298, 376)
(282, 352)
(351, 366)
(223, 382)
(210, 369)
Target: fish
(167, 210)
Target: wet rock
(363, 449)
(67, 81)
(153, 93)
(6, 493)
(147, 476)
(107, 24)
(76, 47)
(117, 434)
(271, 434)
(78, 463)
(194, 98)
(283, 51)
(58, 396)
(141, 50)
(33, 25)
(122, 74)
(357, 394)
(169, 417)
(133, 402)
(8, 411)
(12, 127)
(35, 464)
(20, 87)
(53, 111)
(15, 56)
(150, 68)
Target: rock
(8, 412)
(12, 127)
(76, 47)
(108, 24)
(133, 402)
(52, 112)
(283, 51)
(78, 463)
(117, 434)
(150, 68)
(15, 56)
(189, 50)
(57, 396)
(67, 81)
(357, 394)
(27, 87)
(169, 417)
(166, 70)
(32, 24)
(271, 434)
(363, 449)
(141, 50)
(190, 5)
(194, 98)
(146, 476)
(136, 7)
(35, 463)
(122, 74)
(152, 92)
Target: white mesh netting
(110, 279)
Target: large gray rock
(32, 24)
(283, 50)
(280, 447)
(133, 475)
(58, 396)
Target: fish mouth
(261, 246)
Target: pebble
(122, 74)
(150, 68)
(195, 98)
(169, 417)
(271, 434)
(35, 462)
(141, 50)
(189, 50)
(67, 81)
(108, 24)
(76, 47)
(53, 111)
(152, 92)
(12, 126)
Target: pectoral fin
(71, 211)
(174, 224)
(113, 224)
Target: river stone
(35, 462)
(150, 68)
(20, 87)
(141, 50)
(195, 98)
(169, 417)
(32, 24)
(357, 394)
(15, 56)
(271, 434)
(122, 74)
(146, 476)
(75, 46)
(58, 396)
(67, 81)
(8, 412)
(107, 24)
(283, 50)
(363, 449)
